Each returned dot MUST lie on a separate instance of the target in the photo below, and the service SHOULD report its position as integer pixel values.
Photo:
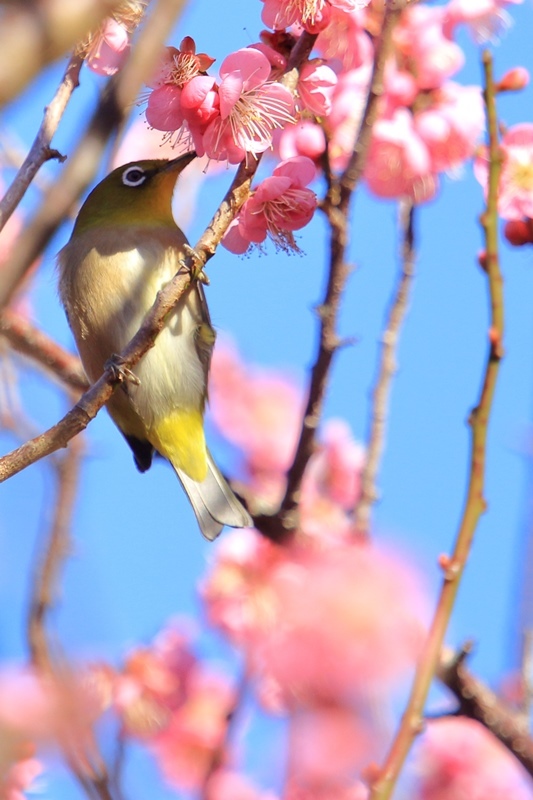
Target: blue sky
(137, 553)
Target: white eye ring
(133, 176)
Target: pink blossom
(516, 181)
(345, 40)
(258, 411)
(280, 205)
(399, 162)
(317, 624)
(335, 469)
(315, 87)
(424, 49)
(226, 784)
(238, 593)
(304, 138)
(251, 108)
(458, 759)
(312, 15)
(342, 124)
(19, 778)
(486, 19)
(187, 745)
(108, 48)
(451, 127)
(348, 619)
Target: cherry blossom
(450, 128)
(345, 41)
(458, 758)
(515, 199)
(304, 138)
(312, 15)
(399, 163)
(250, 107)
(19, 778)
(342, 124)
(106, 49)
(280, 205)
(424, 49)
(315, 87)
(486, 19)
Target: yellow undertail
(180, 438)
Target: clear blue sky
(137, 552)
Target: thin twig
(116, 100)
(479, 702)
(41, 149)
(475, 504)
(386, 370)
(336, 206)
(28, 340)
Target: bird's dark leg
(120, 373)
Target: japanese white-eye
(125, 246)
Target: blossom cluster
(427, 123)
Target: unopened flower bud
(514, 80)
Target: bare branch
(475, 504)
(41, 150)
(386, 371)
(28, 340)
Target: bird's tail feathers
(213, 501)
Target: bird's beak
(178, 164)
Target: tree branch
(41, 150)
(386, 371)
(28, 340)
(475, 504)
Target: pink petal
(229, 91)
(300, 169)
(253, 66)
(163, 111)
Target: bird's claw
(196, 268)
(121, 374)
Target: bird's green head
(139, 193)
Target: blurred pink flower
(315, 87)
(423, 48)
(458, 759)
(108, 48)
(398, 162)
(335, 469)
(226, 784)
(304, 138)
(348, 620)
(19, 778)
(486, 19)
(450, 128)
(328, 747)
(345, 40)
(312, 15)
(186, 747)
(515, 201)
(317, 624)
(280, 205)
(251, 108)
(153, 683)
(342, 124)
(238, 594)
(257, 410)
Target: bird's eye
(133, 176)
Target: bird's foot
(120, 373)
(196, 268)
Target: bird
(125, 246)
